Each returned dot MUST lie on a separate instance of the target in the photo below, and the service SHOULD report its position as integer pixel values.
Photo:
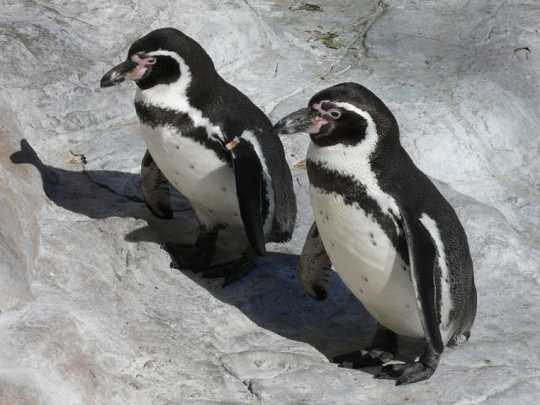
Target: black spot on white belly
(354, 193)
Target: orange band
(233, 144)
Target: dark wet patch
(306, 7)
(328, 38)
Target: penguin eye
(335, 114)
(151, 61)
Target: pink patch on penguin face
(319, 121)
(144, 64)
(316, 125)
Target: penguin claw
(363, 358)
(405, 373)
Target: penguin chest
(367, 262)
(197, 172)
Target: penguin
(392, 237)
(209, 141)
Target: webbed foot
(363, 358)
(409, 373)
(187, 257)
(232, 271)
(406, 373)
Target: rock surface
(91, 313)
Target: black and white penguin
(212, 143)
(392, 237)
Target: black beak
(117, 74)
(298, 121)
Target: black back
(399, 177)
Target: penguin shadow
(100, 194)
(271, 295)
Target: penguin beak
(298, 121)
(130, 69)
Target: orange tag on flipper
(233, 144)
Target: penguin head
(342, 114)
(163, 57)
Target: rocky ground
(91, 312)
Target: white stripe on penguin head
(173, 96)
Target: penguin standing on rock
(392, 237)
(213, 144)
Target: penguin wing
(423, 259)
(315, 266)
(155, 188)
(248, 173)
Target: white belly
(197, 173)
(367, 262)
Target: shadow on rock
(77, 192)
(271, 296)
(101, 194)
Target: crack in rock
(363, 25)
(246, 383)
(83, 161)
(249, 385)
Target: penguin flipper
(248, 173)
(155, 188)
(423, 257)
(315, 266)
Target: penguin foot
(186, 257)
(160, 210)
(193, 258)
(406, 373)
(363, 358)
(230, 272)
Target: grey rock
(91, 312)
